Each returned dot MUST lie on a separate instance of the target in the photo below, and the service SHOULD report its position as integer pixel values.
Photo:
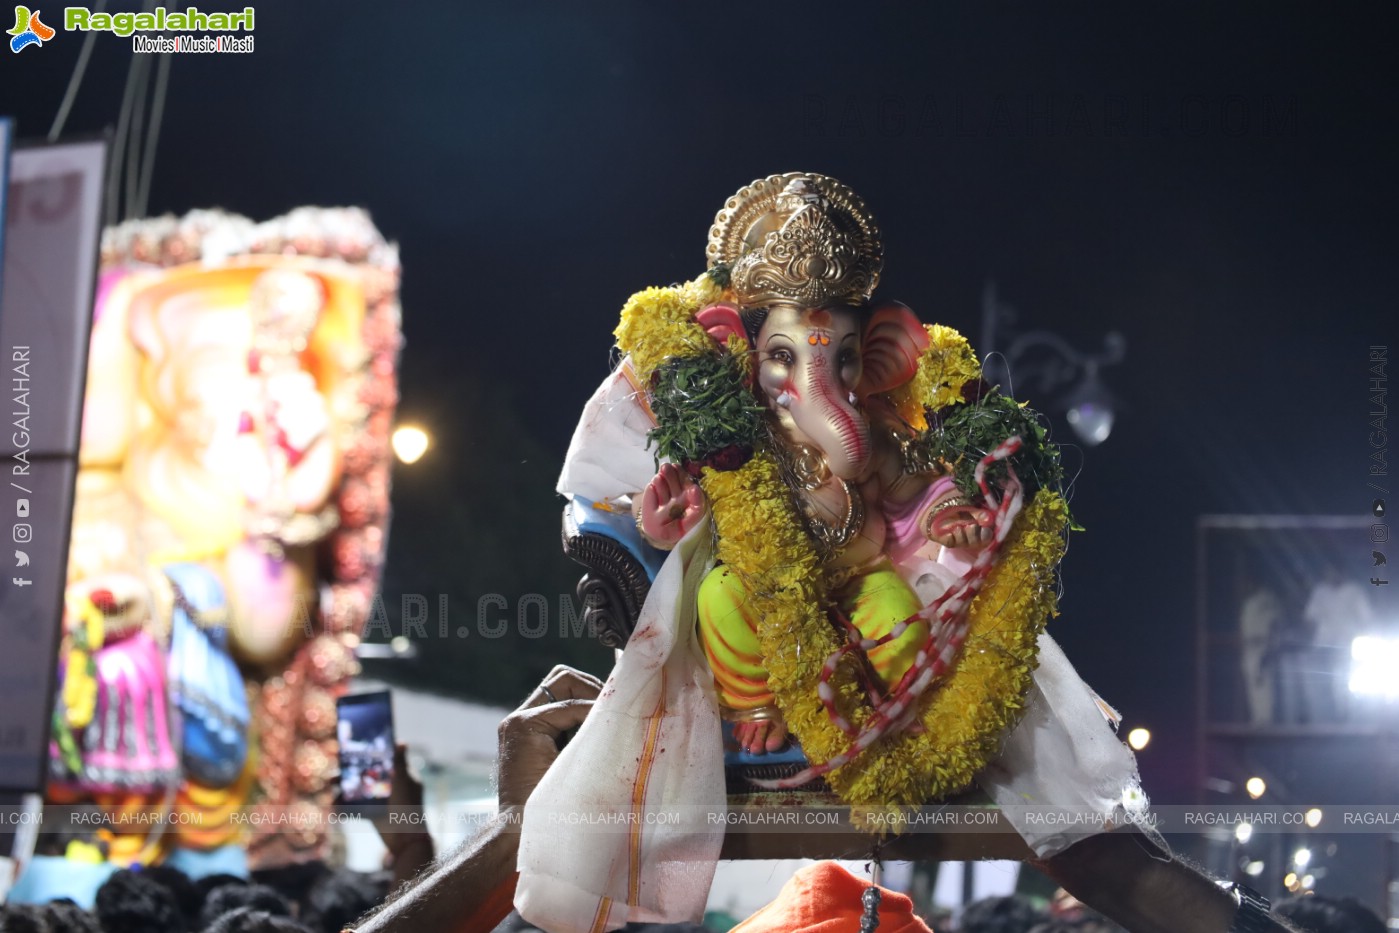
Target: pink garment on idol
(904, 535)
(127, 745)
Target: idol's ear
(894, 339)
(722, 322)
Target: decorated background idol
(862, 540)
(230, 515)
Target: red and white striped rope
(947, 618)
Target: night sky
(1215, 181)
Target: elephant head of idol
(803, 257)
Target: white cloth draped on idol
(860, 487)
(1064, 752)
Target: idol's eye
(782, 355)
(848, 357)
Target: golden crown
(797, 238)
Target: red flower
(724, 460)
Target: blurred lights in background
(1243, 832)
(1374, 661)
(1314, 817)
(1138, 738)
(1090, 410)
(410, 442)
(1043, 362)
(1256, 787)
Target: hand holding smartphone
(364, 727)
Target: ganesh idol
(856, 542)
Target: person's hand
(402, 832)
(530, 735)
(472, 888)
(672, 504)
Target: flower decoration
(702, 403)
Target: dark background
(1215, 181)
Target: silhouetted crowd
(1309, 913)
(309, 899)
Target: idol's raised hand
(671, 505)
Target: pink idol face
(808, 349)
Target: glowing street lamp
(1045, 363)
(410, 442)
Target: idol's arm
(914, 501)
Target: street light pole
(1068, 377)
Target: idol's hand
(962, 526)
(764, 735)
(672, 504)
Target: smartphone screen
(364, 727)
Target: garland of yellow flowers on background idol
(709, 421)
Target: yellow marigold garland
(945, 366)
(762, 539)
(658, 323)
(760, 536)
(968, 713)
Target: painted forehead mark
(818, 326)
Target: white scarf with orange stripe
(591, 859)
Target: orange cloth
(825, 898)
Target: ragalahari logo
(29, 29)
